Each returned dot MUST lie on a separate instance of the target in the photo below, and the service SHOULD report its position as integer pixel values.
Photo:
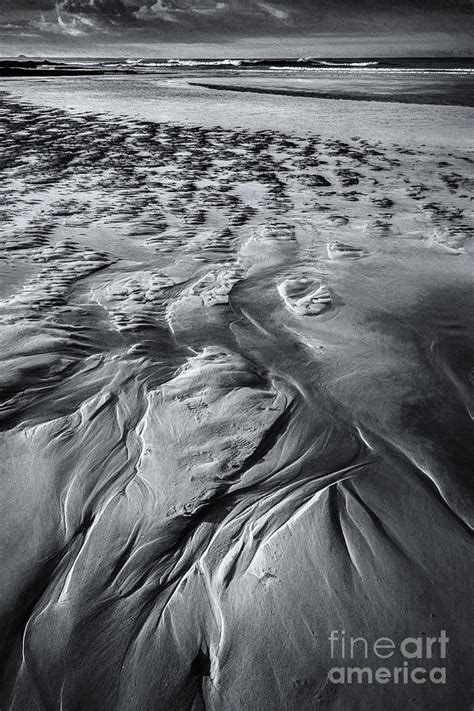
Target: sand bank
(236, 406)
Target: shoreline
(335, 96)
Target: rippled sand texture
(236, 414)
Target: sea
(419, 80)
(451, 65)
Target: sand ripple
(235, 413)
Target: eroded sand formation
(236, 413)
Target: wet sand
(178, 99)
(236, 414)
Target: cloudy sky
(235, 27)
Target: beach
(237, 394)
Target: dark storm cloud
(202, 20)
(216, 17)
(107, 8)
(10, 7)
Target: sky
(236, 28)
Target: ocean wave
(190, 63)
(458, 66)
